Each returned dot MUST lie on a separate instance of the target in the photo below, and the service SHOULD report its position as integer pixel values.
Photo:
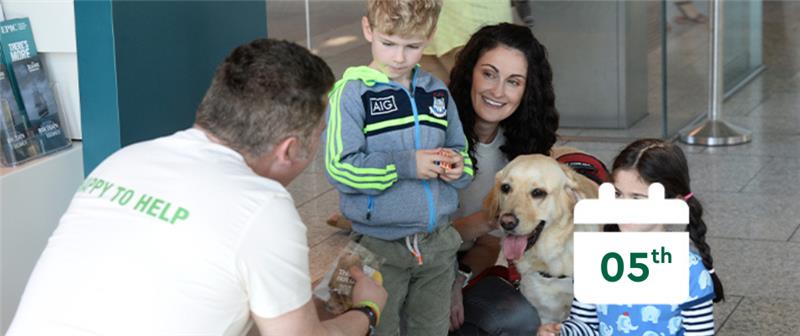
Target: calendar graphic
(632, 267)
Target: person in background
(458, 20)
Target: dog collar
(535, 235)
(549, 276)
(515, 278)
(513, 274)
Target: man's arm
(305, 322)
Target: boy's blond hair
(405, 18)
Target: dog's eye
(538, 193)
(505, 188)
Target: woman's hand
(457, 304)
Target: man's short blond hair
(405, 18)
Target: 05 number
(621, 267)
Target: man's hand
(305, 321)
(457, 304)
(367, 289)
(549, 329)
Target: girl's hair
(531, 129)
(659, 161)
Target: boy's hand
(428, 163)
(453, 166)
(549, 329)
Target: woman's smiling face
(498, 83)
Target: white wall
(32, 199)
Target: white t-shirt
(490, 161)
(175, 236)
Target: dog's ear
(491, 204)
(578, 187)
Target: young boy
(395, 150)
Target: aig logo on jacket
(438, 109)
(383, 105)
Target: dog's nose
(509, 221)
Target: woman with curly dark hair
(502, 84)
(529, 119)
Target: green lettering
(163, 212)
(96, 185)
(120, 190)
(181, 214)
(154, 207)
(87, 183)
(635, 264)
(141, 205)
(604, 267)
(126, 197)
(105, 188)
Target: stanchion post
(714, 131)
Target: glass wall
(330, 28)
(688, 49)
(743, 42)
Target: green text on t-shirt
(147, 204)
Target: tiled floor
(750, 193)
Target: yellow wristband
(373, 306)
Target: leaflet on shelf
(31, 123)
(16, 142)
(40, 103)
(16, 43)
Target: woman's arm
(483, 254)
(472, 226)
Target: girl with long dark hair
(640, 164)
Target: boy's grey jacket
(374, 129)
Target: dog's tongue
(514, 246)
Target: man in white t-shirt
(194, 233)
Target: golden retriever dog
(533, 201)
